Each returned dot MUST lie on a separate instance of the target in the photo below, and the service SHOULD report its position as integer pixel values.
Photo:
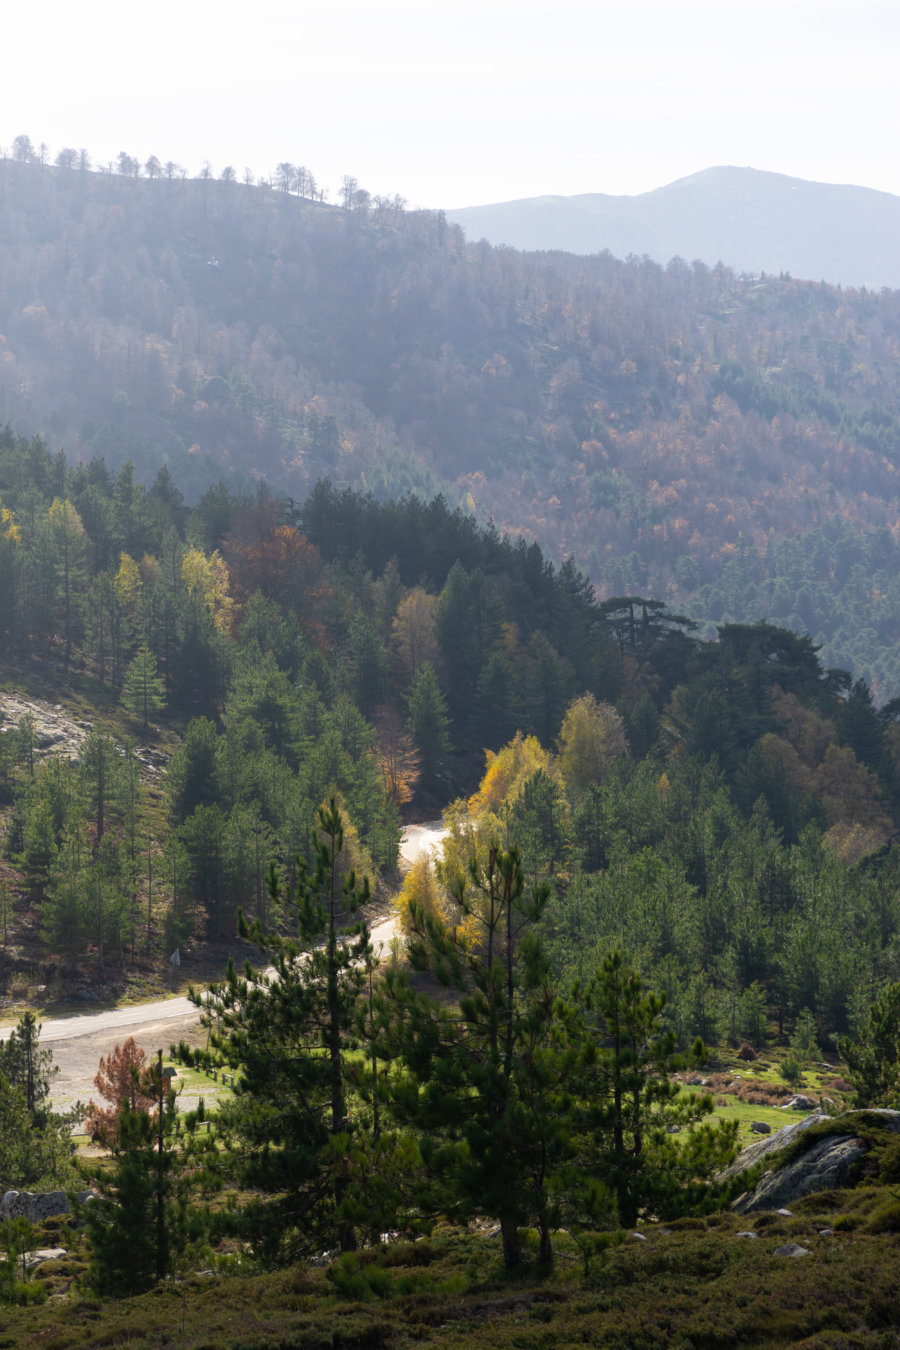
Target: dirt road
(79, 1040)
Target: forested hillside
(668, 427)
(661, 852)
(721, 811)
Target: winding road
(79, 1040)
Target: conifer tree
(429, 725)
(139, 1223)
(35, 1143)
(480, 1086)
(288, 1129)
(628, 1101)
(28, 1067)
(143, 691)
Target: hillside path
(79, 1040)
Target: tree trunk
(512, 1245)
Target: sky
(463, 103)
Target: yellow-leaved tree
(413, 637)
(128, 585)
(207, 578)
(10, 533)
(591, 739)
(420, 889)
(66, 537)
(506, 773)
(128, 588)
(10, 540)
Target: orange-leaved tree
(123, 1079)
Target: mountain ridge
(750, 219)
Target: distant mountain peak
(752, 219)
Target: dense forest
(658, 846)
(694, 803)
(727, 443)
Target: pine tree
(138, 1225)
(627, 1102)
(28, 1067)
(481, 1085)
(429, 725)
(143, 690)
(288, 1129)
(873, 1055)
(36, 1145)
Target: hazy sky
(453, 104)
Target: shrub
(791, 1071)
(885, 1218)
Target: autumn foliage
(122, 1080)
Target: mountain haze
(751, 220)
(722, 440)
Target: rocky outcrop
(36, 1206)
(827, 1164)
(758, 1150)
(34, 1260)
(56, 733)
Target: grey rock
(641, 1237)
(42, 1254)
(746, 1234)
(824, 1166)
(888, 1119)
(799, 1103)
(791, 1249)
(36, 1205)
(785, 1213)
(760, 1127)
(756, 1151)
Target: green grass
(745, 1115)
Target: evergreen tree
(628, 1102)
(480, 1087)
(27, 1067)
(873, 1055)
(36, 1145)
(288, 1130)
(429, 725)
(143, 691)
(139, 1223)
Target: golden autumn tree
(414, 640)
(506, 773)
(206, 578)
(66, 540)
(10, 543)
(420, 888)
(128, 588)
(591, 739)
